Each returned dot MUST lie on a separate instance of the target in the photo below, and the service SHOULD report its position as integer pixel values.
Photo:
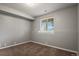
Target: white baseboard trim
(14, 45)
(41, 44)
(56, 47)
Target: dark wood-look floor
(33, 49)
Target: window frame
(46, 31)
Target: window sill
(46, 31)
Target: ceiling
(37, 9)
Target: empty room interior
(39, 29)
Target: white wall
(65, 32)
(78, 27)
(13, 30)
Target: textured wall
(65, 32)
(13, 30)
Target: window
(47, 25)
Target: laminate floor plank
(34, 49)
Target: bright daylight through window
(47, 25)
